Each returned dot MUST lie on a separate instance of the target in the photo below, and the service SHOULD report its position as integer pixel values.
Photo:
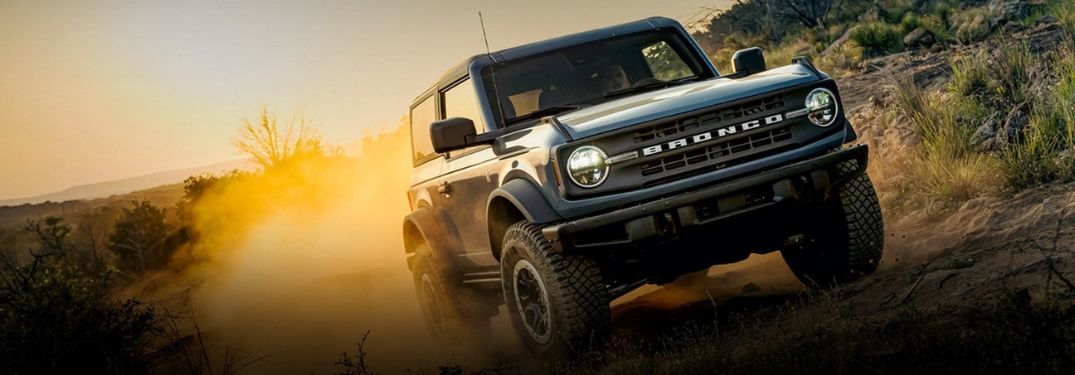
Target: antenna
(492, 72)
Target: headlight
(586, 166)
(821, 107)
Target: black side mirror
(748, 61)
(452, 134)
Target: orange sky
(99, 90)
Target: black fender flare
(527, 199)
(433, 227)
(515, 200)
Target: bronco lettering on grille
(711, 135)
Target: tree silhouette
(140, 239)
(270, 144)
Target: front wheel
(558, 303)
(849, 243)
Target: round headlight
(586, 166)
(821, 107)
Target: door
(469, 178)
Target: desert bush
(1047, 151)
(782, 54)
(970, 75)
(947, 167)
(878, 38)
(1011, 72)
(57, 316)
(972, 25)
(143, 239)
(843, 60)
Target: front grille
(747, 109)
(721, 150)
(680, 156)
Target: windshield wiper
(656, 83)
(547, 111)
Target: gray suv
(556, 176)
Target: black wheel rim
(532, 301)
(431, 303)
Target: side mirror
(452, 134)
(748, 61)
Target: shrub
(972, 25)
(1047, 153)
(143, 239)
(1011, 72)
(843, 60)
(946, 167)
(56, 316)
(878, 38)
(782, 54)
(970, 75)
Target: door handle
(444, 188)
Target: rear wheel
(849, 243)
(450, 311)
(558, 302)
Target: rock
(1010, 10)
(1012, 27)
(920, 37)
(1015, 122)
(1046, 19)
(985, 134)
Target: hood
(671, 101)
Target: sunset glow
(99, 90)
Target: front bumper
(666, 216)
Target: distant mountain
(127, 185)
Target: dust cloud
(298, 262)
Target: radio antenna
(492, 72)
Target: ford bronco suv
(556, 176)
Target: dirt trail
(986, 251)
(955, 261)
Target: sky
(94, 91)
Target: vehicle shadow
(707, 300)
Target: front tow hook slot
(662, 225)
(784, 189)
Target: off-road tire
(456, 313)
(577, 298)
(849, 244)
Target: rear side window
(422, 115)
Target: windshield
(591, 73)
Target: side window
(422, 115)
(461, 101)
(665, 63)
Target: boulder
(1012, 27)
(919, 38)
(1015, 122)
(984, 136)
(1046, 19)
(1010, 10)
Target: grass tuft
(878, 38)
